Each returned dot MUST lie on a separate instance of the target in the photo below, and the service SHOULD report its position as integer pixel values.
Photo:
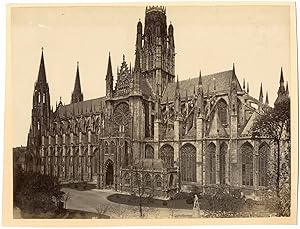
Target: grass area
(149, 202)
(249, 209)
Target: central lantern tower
(156, 48)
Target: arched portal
(109, 173)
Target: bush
(181, 196)
(189, 199)
(219, 199)
(37, 193)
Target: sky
(210, 38)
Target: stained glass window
(188, 163)
(247, 164)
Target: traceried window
(121, 119)
(211, 163)
(167, 155)
(263, 152)
(247, 164)
(223, 151)
(222, 111)
(149, 152)
(188, 163)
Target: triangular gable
(247, 129)
(216, 128)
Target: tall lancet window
(211, 163)
(223, 152)
(247, 164)
(263, 152)
(222, 111)
(188, 163)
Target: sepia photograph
(155, 111)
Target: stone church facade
(175, 134)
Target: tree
(37, 193)
(274, 123)
(140, 186)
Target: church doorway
(109, 174)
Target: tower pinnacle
(261, 95)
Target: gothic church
(177, 134)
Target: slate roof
(81, 108)
(222, 82)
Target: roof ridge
(197, 77)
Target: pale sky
(255, 38)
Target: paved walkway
(92, 199)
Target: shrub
(181, 196)
(219, 199)
(37, 193)
(189, 199)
